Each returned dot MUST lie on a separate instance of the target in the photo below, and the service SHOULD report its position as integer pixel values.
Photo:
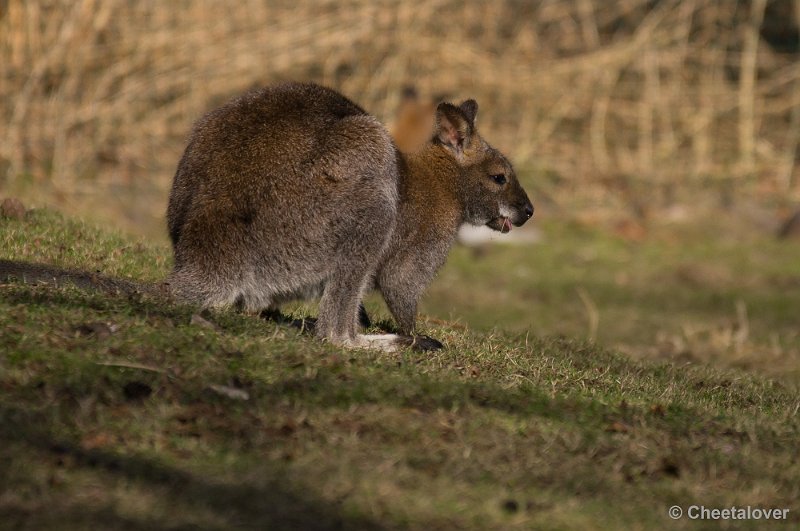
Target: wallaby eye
(499, 178)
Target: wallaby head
(487, 186)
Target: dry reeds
(96, 97)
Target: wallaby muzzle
(516, 215)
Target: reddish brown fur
(294, 191)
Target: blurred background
(643, 130)
(632, 105)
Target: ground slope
(122, 412)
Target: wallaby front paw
(272, 314)
(363, 317)
(421, 343)
(306, 324)
(426, 343)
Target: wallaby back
(284, 192)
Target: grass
(728, 298)
(127, 413)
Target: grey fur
(294, 191)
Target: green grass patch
(123, 413)
(708, 294)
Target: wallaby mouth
(501, 224)
(511, 217)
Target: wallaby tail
(29, 273)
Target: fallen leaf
(198, 320)
(97, 329)
(96, 440)
(618, 427)
(233, 393)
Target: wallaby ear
(453, 127)
(470, 108)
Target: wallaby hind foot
(396, 343)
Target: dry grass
(605, 98)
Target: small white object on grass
(473, 236)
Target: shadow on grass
(72, 297)
(276, 502)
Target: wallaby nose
(528, 209)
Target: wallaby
(414, 120)
(293, 191)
